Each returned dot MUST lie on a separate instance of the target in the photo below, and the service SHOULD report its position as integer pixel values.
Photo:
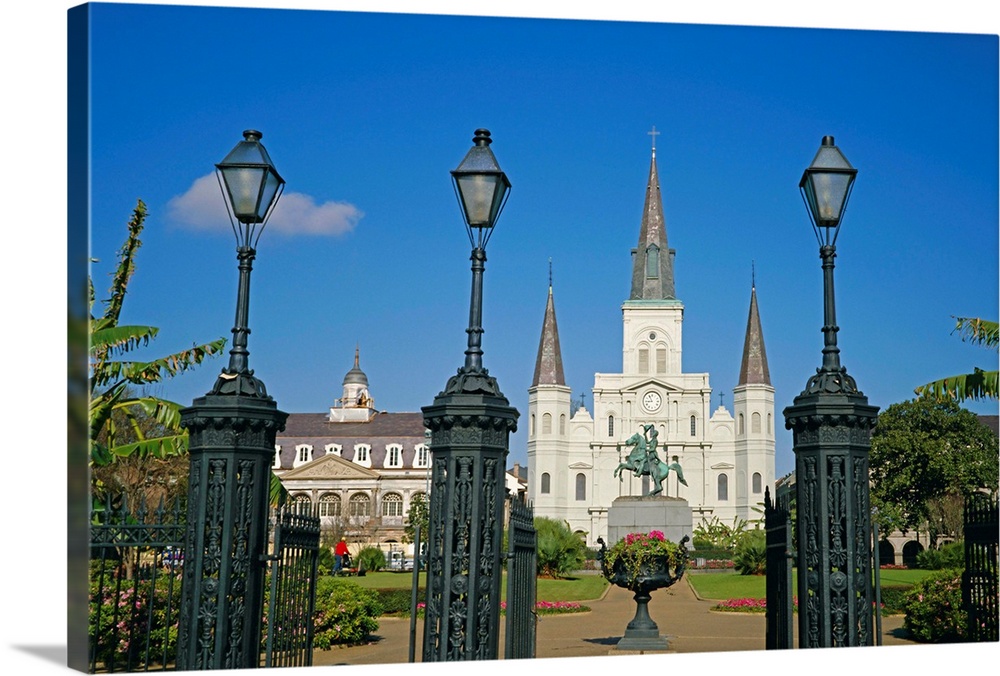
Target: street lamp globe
(826, 186)
(251, 186)
(481, 187)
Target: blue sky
(365, 114)
(741, 117)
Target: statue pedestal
(671, 516)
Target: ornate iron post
(232, 431)
(470, 423)
(831, 422)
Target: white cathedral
(727, 458)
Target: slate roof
(315, 429)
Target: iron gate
(135, 583)
(521, 575)
(780, 554)
(289, 612)
(979, 580)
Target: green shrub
(933, 608)
(751, 553)
(560, 551)
(397, 601)
(951, 555)
(345, 613)
(893, 598)
(370, 559)
(326, 561)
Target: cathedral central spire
(753, 370)
(652, 259)
(548, 365)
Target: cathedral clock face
(651, 401)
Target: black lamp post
(232, 432)
(470, 423)
(831, 422)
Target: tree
(417, 514)
(979, 384)
(120, 421)
(560, 550)
(925, 456)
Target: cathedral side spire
(548, 365)
(652, 259)
(753, 370)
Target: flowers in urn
(642, 555)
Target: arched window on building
(740, 430)
(360, 505)
(652, 261)
(531, 425)
(277, 457)
(392, 504)
(770, 424)
(562, 423)
(643, 360)
(581, 487)
(756, 483)
(661, 360)
(303, 454)
(694, 426)
(329, 505)
(611, 426)
(393, 455)
(545, 483)
(755, 422)
(301, 504)
(723, 487)
(421, 457)
(546, 423)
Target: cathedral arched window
(611, 426)
(546, 481)
(756, 482)
(653, 262)
(546, 423)
(723, 485)
(755, 423)
(581, 487)
(531, 426)
(643, 360)
(661, 360)
(562, 424)
(770, 424)
(694, 426)
(329, 505)
(741, 428)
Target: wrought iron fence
(778, 530)
(135, 583)
(521, 578)
(979, 580)
(136, 558)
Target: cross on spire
(654, 134)
(721, 395)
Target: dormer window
(362, 455)
(303, 454)
(335, 449)
(277, 457)
(421, 458)
(393, 455)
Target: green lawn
(722, 586)
(582, 588)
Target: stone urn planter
(643, 563)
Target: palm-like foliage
(979, 384)
(113, 379)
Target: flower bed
(541, 608)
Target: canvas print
(410, 338)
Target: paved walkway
(686, 621)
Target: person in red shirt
(340, 555)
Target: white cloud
(202, 208)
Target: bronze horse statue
(643, 460)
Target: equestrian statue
(643, 459)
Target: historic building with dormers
(358, 468)
(727, 456)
